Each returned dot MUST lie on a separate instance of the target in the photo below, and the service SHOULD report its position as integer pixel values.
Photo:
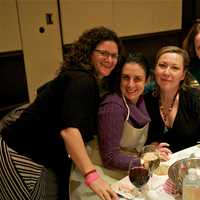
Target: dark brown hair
(80, 52)
(188, 43)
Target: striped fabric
(20, 177)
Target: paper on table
(158, 194)
(157, 181)
(185, 153)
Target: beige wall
(42, 51)
(9, 27)
(20, 21)
(133, 17)
(126, 17)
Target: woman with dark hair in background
(192, 45)
(37, 149)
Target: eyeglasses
(106, 54)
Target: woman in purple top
(123, 118)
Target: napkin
(152, 195)
(158, 195)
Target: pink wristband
(90, 178)
(90, 172)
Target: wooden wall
(127, 17)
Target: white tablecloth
(157, 192)
(156, 182)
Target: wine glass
(150, 156)
(139, 176)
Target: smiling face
(169, 71)
(104, 58)
(133, 79)
(197, 45)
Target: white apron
(132, 140)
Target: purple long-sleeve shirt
(111, 116)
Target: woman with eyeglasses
(37, 149)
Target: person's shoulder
(191, 93)
(149, 95)
(191, 99)
(150, 86)
(112, 98)
(77, 77)
(194, 62)
(112, 104)
(151, 100)
(76, 72)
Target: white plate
(124, 187)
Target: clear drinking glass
(150, 156)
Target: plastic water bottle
(191, 185)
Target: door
(41, 41)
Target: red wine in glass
(139, 176)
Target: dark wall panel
(13, 84)
(149, 44)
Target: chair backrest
(12, 116)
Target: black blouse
(69, 100)
(195, 68)
(186, 127)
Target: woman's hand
(75, 147)
(164, 151)
(103, 190)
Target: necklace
(166, 112)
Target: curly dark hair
(80, 52)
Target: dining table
(155, 187)
(122, 187)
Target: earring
(155, 92)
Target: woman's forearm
(76, 149)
